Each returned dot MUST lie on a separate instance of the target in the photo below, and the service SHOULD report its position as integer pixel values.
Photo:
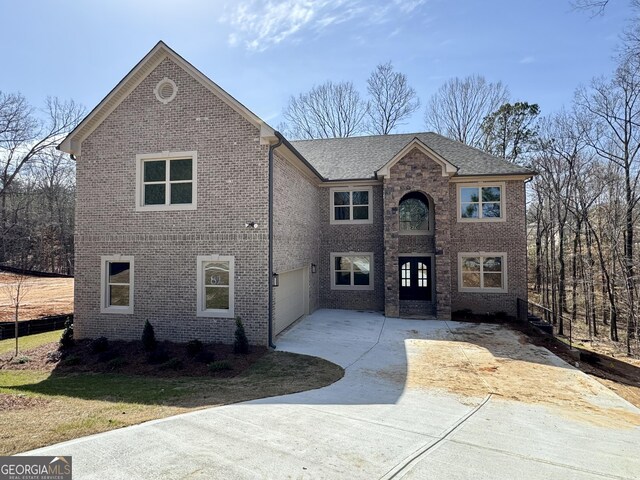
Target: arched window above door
(415, 215)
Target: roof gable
(72, 143)
(448, 168)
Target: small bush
(116, 363)
(500, 315)
(149, 337)
(106, 356)
(241, 343)
(159, 355)
(71, 360)
(66, 340)
(220, 366)
(99, 345)
(194, 347)
(205, 356)
(172, 364)
(54, 357)
(22, 359)
(463, 313)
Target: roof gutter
(270, 268)
(285, 142)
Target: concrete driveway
(420, 399)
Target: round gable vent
(165, 90)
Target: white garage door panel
(289, 296)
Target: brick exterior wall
(351, 238)
(232, 188)
(416, 172)
(508, 236)
(296, 224)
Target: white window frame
(482, 289)
(479, 185)
(104, 284)
(351, 221)
(166, 156)
(352, 287)
(201, 311)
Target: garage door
(289, 297)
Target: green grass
(29, 342)
(76, 404)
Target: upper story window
(116, 284)
(166, 181)
(483, 202)
(351, 205)
(414, 214)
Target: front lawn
(40, 407)
(29, 342)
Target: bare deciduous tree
(15, 292)
(24, 135)
(327, 111)
(392, 100)
(459, 106)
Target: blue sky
(262, 52)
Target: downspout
(271, 149)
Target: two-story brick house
(191, 211)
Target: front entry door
(415, 278)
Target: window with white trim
(351, 205)
(166, 181)
(482, 272)
(116, 284)
(481, 202)
(215, 286)
(352, 271)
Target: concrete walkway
(420, 399)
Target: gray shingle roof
(360, 157)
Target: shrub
(22, 359)
(465, 313)
(55, 356)
(71, 360)
(500, 315)
(220, 366)
(241, 344)
(66, 340)
(205, 356)
(194, 347)
(116, 363)
(106, 356)
(99, 345)
(159, 355)
(149, 337)
(172, 364)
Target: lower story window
(352, 271)
(485, 272)
(117, 284)
(215, 286)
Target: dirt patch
(44, 297)
(476, 360)
(129, 358)
(19, 402)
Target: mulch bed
(129, 358)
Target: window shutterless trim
(351, 286)
(104, 284)
(351, 221)
(479, 186)
(201, 311)
(166, 156)
(482, 256)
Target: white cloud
(526, 60)
(259, 25)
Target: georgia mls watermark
(35, 468)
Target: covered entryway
(291, 298)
